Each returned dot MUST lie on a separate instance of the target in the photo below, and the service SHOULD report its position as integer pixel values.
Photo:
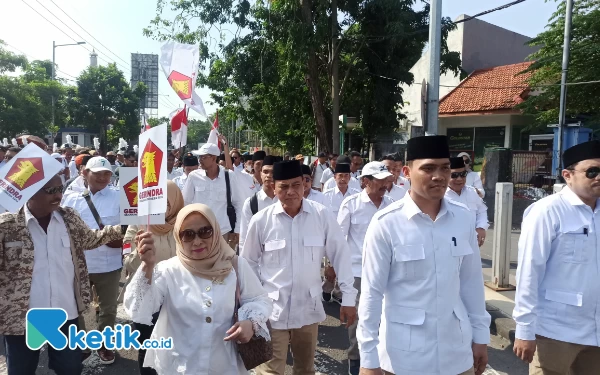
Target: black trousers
(145, 333)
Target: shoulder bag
(86, 195)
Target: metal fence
(532, 179)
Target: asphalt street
(330, 355)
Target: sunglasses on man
(189, 235)
(462, 174)
(590, 173)
(53, 190)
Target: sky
(114, 29)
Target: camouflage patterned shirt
(16, 264)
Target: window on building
(75, 139)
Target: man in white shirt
(352, 183)
(310, 193)
(328, 173)
(394, 164)
(100, 208)
(394, 191)
(172, 172)
(422, 262)
(208, 185)
(356, 163)
(558, 277)
(238, 163)
(257, 160)
(335, 196)
(43, 266)
(473, 178)
(458, 191)
(258, 201)
(317, 171)
(78, 182)
(285, 244)
(190, 164)
(354, 217)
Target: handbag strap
(88, 200)
(228, 187)
(234, 263)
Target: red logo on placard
(26, 172)
(151, 161)
(131, 191)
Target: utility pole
(562, 117)
(54, 46)
(435, 44)
(335, 79)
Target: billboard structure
(144, 68)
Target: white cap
(210, 149)
(98, 164)
(463, 154)
(376, 169)
(56, 155)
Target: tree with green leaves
(104, 97)
(584, 66)
(289, 63)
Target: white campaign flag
(128, 192)
(24, 175)
(179, 62)
(152, 175)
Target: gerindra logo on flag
(25, 172)
(181, 83)
(131, 190)
(151, 161)
(43, 326)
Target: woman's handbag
(258, 350)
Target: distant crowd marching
(252, 245)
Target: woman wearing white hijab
(197, 292)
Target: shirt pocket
(409, 262)
(218, 195)
(315, 296)
(573, 245)
(65, 252)
(200, 194)
(459, 248)
(273, 252)
(406, 330)
(562, 304)
(464, 325)
(314, 247)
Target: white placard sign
(152, 175)
(24, 175)
(128, 193)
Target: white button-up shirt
(247, 185)
(73, 171)
(334, 198)
(238, 168)
(317, 196)
(180, 181)
(469, 197)
(558, 277)
(403, 182)
(353, 184)
(263, 201)
(103, 259)
(176, 172)
(474, 180)
(78, 184)
(286, 255)
(213, 193)
(327, 174)
(396, 193)
(354, 217)
(428, 276)
(319, 169)
(53, 278)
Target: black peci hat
(427, 147)
(269, 160)
(190, 160)
(581, 152)
(259, 155)
(457, 163)
(306, 170)
(286, 170)
(342, 168)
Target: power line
(35, 58)
(71, 18)
(501, 7)
(76, 33)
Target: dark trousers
(21, 360)
(145, 333)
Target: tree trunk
(335, 81)
(314, 88)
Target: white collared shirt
(73, 171)
(558, 276)
(103, 259)
(213, 193)
(353, 184)
(334, 198)
(474, 180)
(396, 193)
(53, 278)
(327, 174)
(403, 182)
(286, 254)
(176, 172)
(469, 197)
(238, 168)
(422, 281)
(317, 196)
(180, 181)
(263, 201)
(319, 169)
(247, 185)
(78, 184)
(354, 218)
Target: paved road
(330, 356)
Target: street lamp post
(54, 45)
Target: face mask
(249, 168)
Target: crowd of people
(268, 239)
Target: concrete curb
(502, 324)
